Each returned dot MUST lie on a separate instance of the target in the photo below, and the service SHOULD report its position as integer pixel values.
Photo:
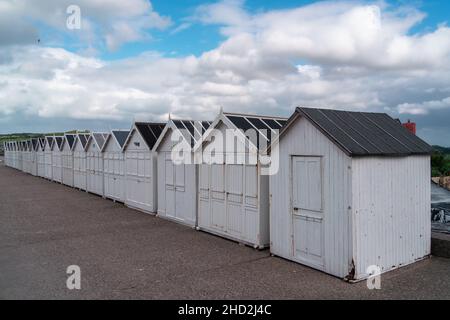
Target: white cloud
(333, 55)
(424, 107)
(335, 32)
(183, 26)
(112, 22)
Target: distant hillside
(24, 136)
(442, 150)
(440, 161)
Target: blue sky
(198, 38)
(141, 59)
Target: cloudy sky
(140, 59)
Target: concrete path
(126, 254)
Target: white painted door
(34, 163)
(139, 180)
(79, 169)
(234, 193)
(56, 166)
(180, 189)
(41, 164)
(218, 212)
(175, 184)
(48, 164)
(114, 175)
(170, 186)
(67, 163)
(94, 172)
(204, 207)
(108, 173)
(307, 210)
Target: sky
(143, 60)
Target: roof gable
(81, 138)
(191, 130)
(58, 142)
(149, 131)
(42, 142)
(69, 139)
(49, 142)
(99, 138)
(266, 127)
(34, 144)
(118, 137)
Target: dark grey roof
(265, 126)
(42, 143)
(121, 136)
(365, 133)
(195, 129)
(70, 138)
(83, 137)
(100, 138)
(34, 143)
(150, 132)
(49, 141)
(59, 141)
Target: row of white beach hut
(335, 190)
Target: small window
(137, 144)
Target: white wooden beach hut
(67, 159)
(41, 157)
(140, 166)
(114, 165)
(20, 152)
(25, 148)
(48, 156)
(352, 193)
(57, 167)
(94, 162)
(7, 148)
(79, 161)
(33, 156)
(233, 193)
(15, 152)
(177, 180)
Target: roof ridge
(253, 115)
(340, 110)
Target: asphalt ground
(126, 254)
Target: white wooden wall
(7, 153)
(79, 166)
(177, 186)
(231, 200)
(48, 161)
(26, 161)
(114, 171)
(41, 163)
(303, 139)
(140, 168)
(33, 163)
(391, 211)
(56, 164)
(94, 168)
(20, 159)
(67, 164)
